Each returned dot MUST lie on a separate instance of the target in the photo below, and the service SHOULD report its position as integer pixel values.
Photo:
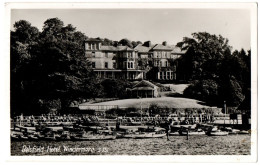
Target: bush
(205, 90)
(115, 88)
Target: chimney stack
(164, 43)
(148, 44)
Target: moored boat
(216, 132)
(85, 136)
(174, 134)
(243, 132)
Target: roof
(142, 88)
(142, 49)
(144, 83)
(162, 47)
(121, 48)
(114, 48)
(94, 39)
(108, 48)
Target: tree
(126, 42)
(115, 88)
(107, 42)
(206, 52)
(135, 43)
(54, 69)
(23, 38)
(218, 74)
(205, 90)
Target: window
(114, 65)
(157, 63)
(174, 68)
(166, 63)
(168, 55)
(93, 65)
(130, 55)
(93, 54)
(171, 76)
(89, 46)
(168, 75)
(140, 63)
(159, 54)
(164, 75)
(160, 63)
(106, 54)
(155, 54)
(160, 73)
(130, 65)
(106, 65)
(150, 63)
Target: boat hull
(218, 134)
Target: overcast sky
(156, 25)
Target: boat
(174, 134)
(216, 132)
(243, 132)
(14, 137)
(85, 136)
(22, 137)
(192, 132)
(32, 137)
(231, 131)
(49, 137)
(155, 135)
(39, 136)
(149, 133)
(140, 135)
(65, 135)
(93, 138)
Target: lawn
(170, 102)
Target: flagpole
(225, 111)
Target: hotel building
(145, 61)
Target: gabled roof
(145, 83)
(162, 47)
(142, 49)
(108, 48)
(126, 48)
(142, 88)
(118, 48)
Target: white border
(117, 159)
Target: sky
(156, 25)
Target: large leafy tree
(51, 65)
(206, 52)
(23, 38)
(217, 74)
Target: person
(168, 124)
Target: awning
(142, 88)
